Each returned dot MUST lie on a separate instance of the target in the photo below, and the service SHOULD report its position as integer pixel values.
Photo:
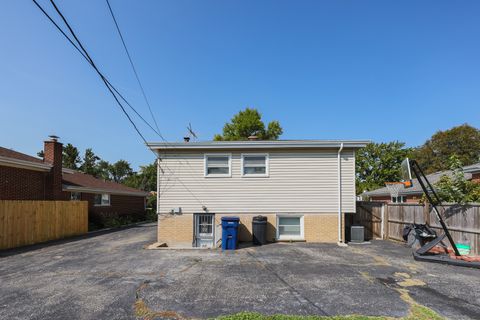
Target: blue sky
(379, 70)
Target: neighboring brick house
(415, 193)
(474, 170)
(23, 177)
(303, 187)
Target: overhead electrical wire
(87, 58)
(81, 49)
(133, 66)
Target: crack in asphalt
(300, 298)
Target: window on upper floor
(218, 165)
(255, 165)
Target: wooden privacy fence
(28, 222)
(369, 215)
(463, 221)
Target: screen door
(204, 230)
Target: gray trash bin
(259, 230)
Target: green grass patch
(417, 312)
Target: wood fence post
(426, 212)
(387, 225)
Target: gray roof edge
(378, 193)
(472, 170)
(259, 144)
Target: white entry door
(204, 230)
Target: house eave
(387, 194)
(272, 144)
(70, 188)
(23, 164)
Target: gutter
(23, 164)
(339, 159)
(323, 144)
(71, 188)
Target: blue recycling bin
(230, 233)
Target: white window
(399, 199)
(255, 165)
(290, 227)
(75, 196)
(218, 165)
(102, 199)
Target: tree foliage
(145, 179)
(120, 170)
(462, 141)
(89, 163)
(249, 123)
(454, 187)
(378, 163)
(102, 170)
(71, 157)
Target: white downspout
(339, 159)
(159, 171)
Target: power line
(98, 71)
(81, 49)
(133, 66)
(87, 58)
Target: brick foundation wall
(21, 184)
(476, 177)
(321, 227)
(245, 227)
(177, 230)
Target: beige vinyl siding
(298, 182)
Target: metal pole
(419, 174)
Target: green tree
(89, 163)
(462, 141)
(71, 157)
(120, 170)
(103, 170)
(40, 154)
(378, 163)
(454, 187)
(247, 123)
(145, 179)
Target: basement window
(255, 165)
(102, 199)
(218, 165)
(290, 227)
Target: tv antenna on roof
(191, 133)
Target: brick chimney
(52, 151)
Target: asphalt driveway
(112, 276)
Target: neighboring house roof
(10, 157)
(80, 182)
(258, 144)
(473, 168)
(72, 180)
(416, 188)
(9, 153)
